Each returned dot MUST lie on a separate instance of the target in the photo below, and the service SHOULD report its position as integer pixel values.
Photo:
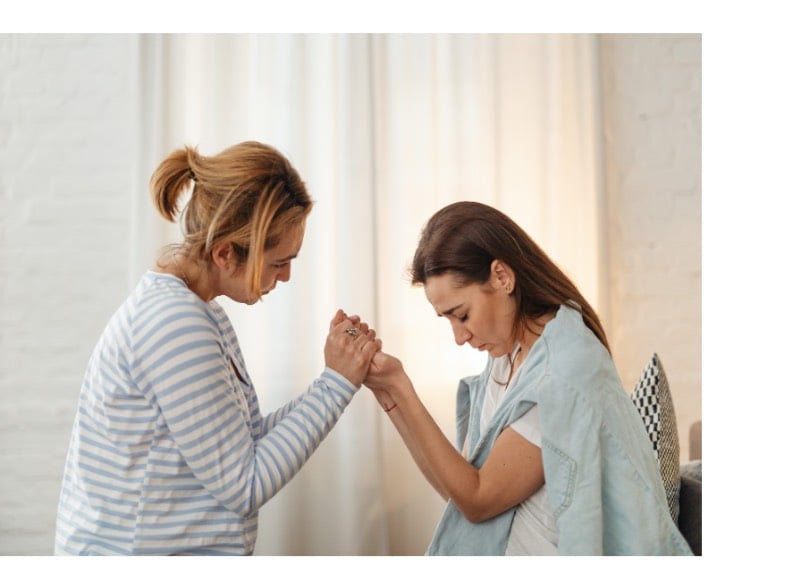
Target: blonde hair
(248, 194)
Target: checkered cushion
(652, 398)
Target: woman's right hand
(385, 370)
(350, 354)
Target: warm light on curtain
(385, 129)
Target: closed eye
(451, 313)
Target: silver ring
(352, 331)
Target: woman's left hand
(349, 347)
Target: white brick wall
(652, 126)
(68, 155)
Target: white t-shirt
(533, 527)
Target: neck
(529, 338)
(517, 357)
(180, 271)
(181, 267)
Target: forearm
(414, 449)
(271, 419)
(213, 437)
(447, 470)
(283, 451)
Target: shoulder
(574, 353)
(568, 335)
(163, 304)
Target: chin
(497, 351)
(260, 299)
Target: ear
(502, 277)
(223, 255)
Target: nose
(462, 335)
(285, 273)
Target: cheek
(505, 320)
(496, 324)
(267, 276)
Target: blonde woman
(169, 453)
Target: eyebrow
(449, 311)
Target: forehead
(290, 242)
(444, 292)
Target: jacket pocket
(561, 480)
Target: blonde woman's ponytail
(171, 180)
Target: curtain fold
(385, 129)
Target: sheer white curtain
(385, 129)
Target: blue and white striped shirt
(169, 452)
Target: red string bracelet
(389, 409)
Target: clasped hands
(353, 350)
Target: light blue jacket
(603, 481)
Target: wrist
(397, 394)
(332, 375)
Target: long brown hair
(249, 194)
(463, 238)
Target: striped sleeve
(187, 373)
(271, 419)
